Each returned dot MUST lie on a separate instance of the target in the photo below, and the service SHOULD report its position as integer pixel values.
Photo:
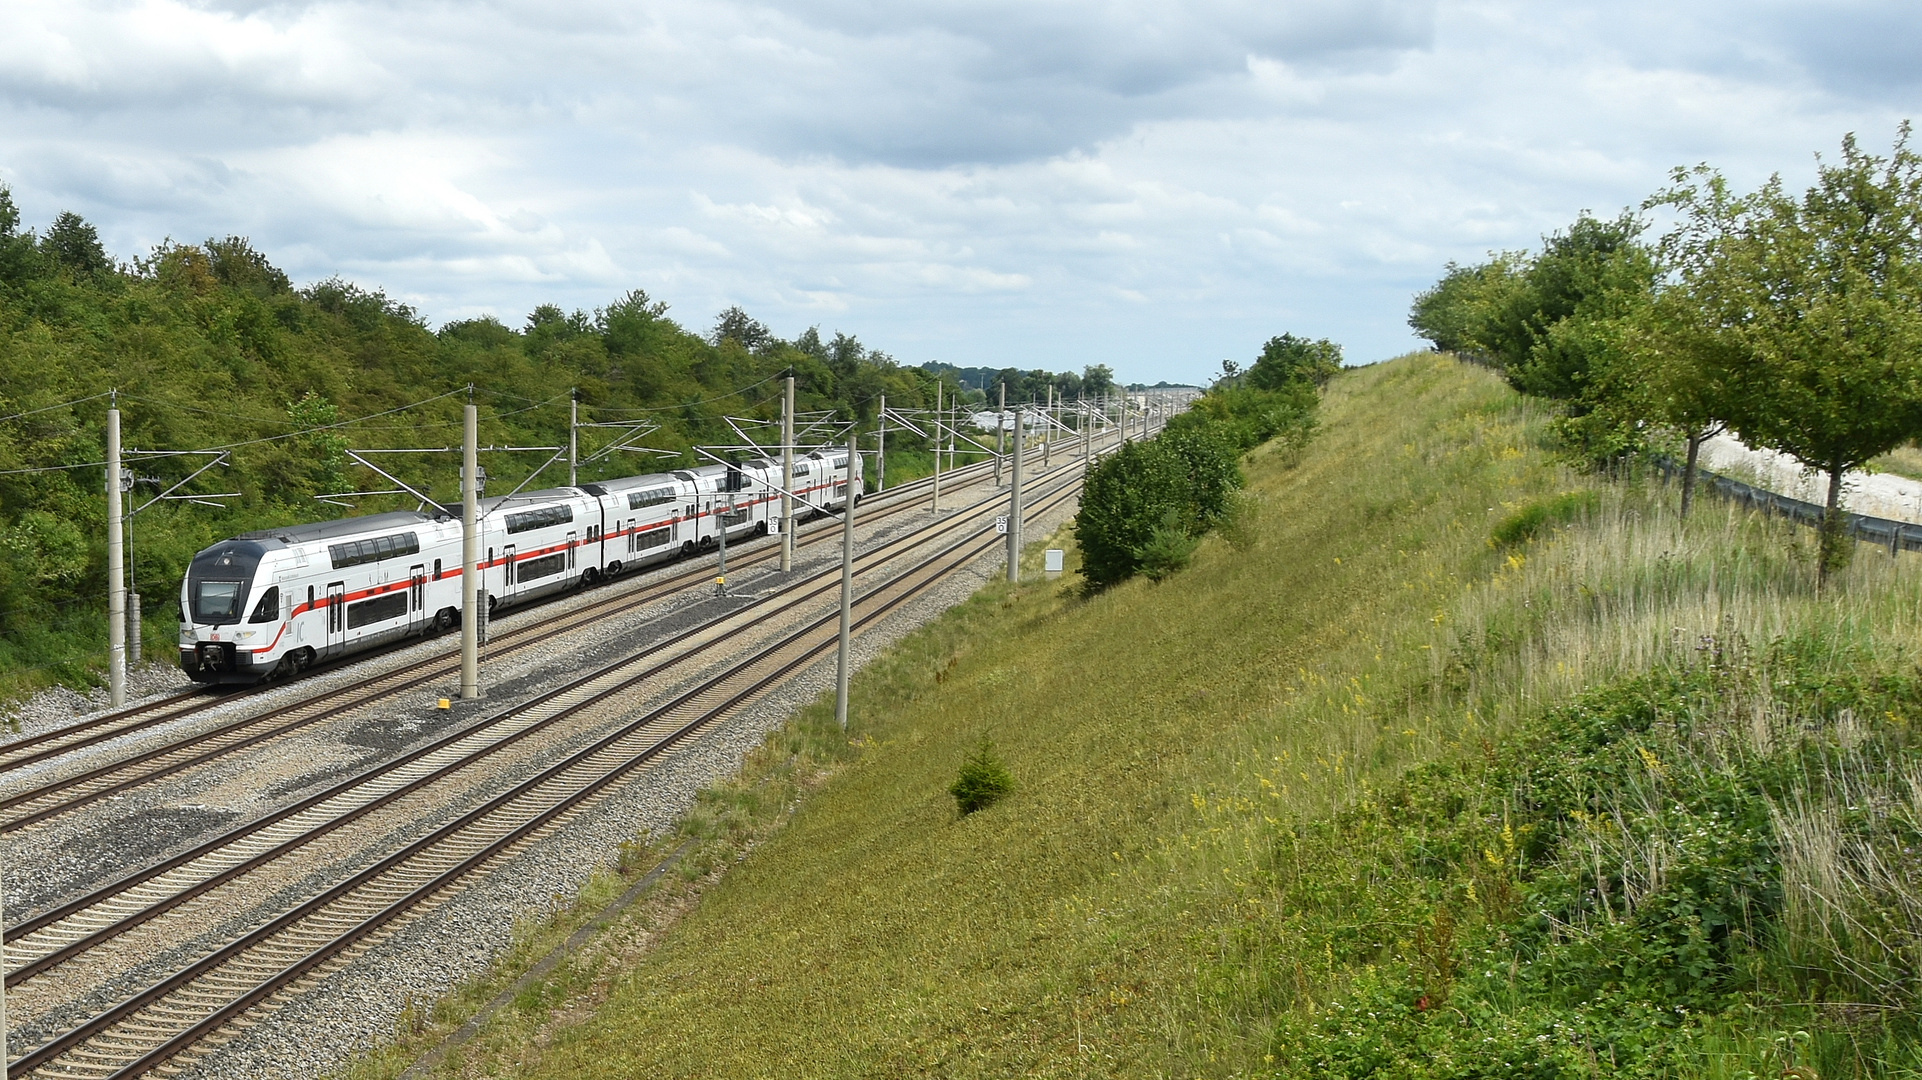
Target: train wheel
(446, 619)
(590, 577)
(761, 529)
(687, 548)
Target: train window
(545, 566)
(217, 601)
(358, 552)
(269, 607)
(841, 462)
(436, 569)
(539, 519)
(652, 538)
(392, 605)
(650, 497)
(800, 469)
(310, 598)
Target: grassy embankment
(1448, 763)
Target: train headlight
(246, 635)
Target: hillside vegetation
(1790, 319)
(212, 346)
(1454, 763)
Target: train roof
(543, 495)
(525, 498)
(627, 483)
(330, 530)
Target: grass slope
(1228, 828)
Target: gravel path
(1882, 495)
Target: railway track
(64, 794)
(57, 935)
(269, 964)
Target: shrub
(1150, 502)
(1125, 499)
(983, 780)
(1168, 549)
(1521, 526)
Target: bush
(983, 780)
(1635, 877)
(1151, 501)
(1521, 526)
(1127, 496)
(1168, 549)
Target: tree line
(1145, 508)
(212, 345)
(983, 384)
(1791, 318)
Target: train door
(417, 598)
(570, 554)
(336, 616)
(507, 573)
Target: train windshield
(218, 601)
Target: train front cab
(225, 620)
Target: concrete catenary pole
(3, 1009)
(847, 584)
(720, 536)
(573, 437)
(937, 447)
(470, 615)
(787, 477)
(881, 449)
(116, 568)
(1014, 508)
(1000, 420)
(1047, 433)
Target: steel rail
(392, 888)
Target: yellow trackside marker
(446, 704)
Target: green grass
(1200, 863)
(1905, 460)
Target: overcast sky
(1155, 186)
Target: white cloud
(1037, 183)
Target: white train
(271, 603)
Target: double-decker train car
(276, 601)
(273, 602)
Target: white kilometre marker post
(847, 585)
(470, 555)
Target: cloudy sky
(1038, 183)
